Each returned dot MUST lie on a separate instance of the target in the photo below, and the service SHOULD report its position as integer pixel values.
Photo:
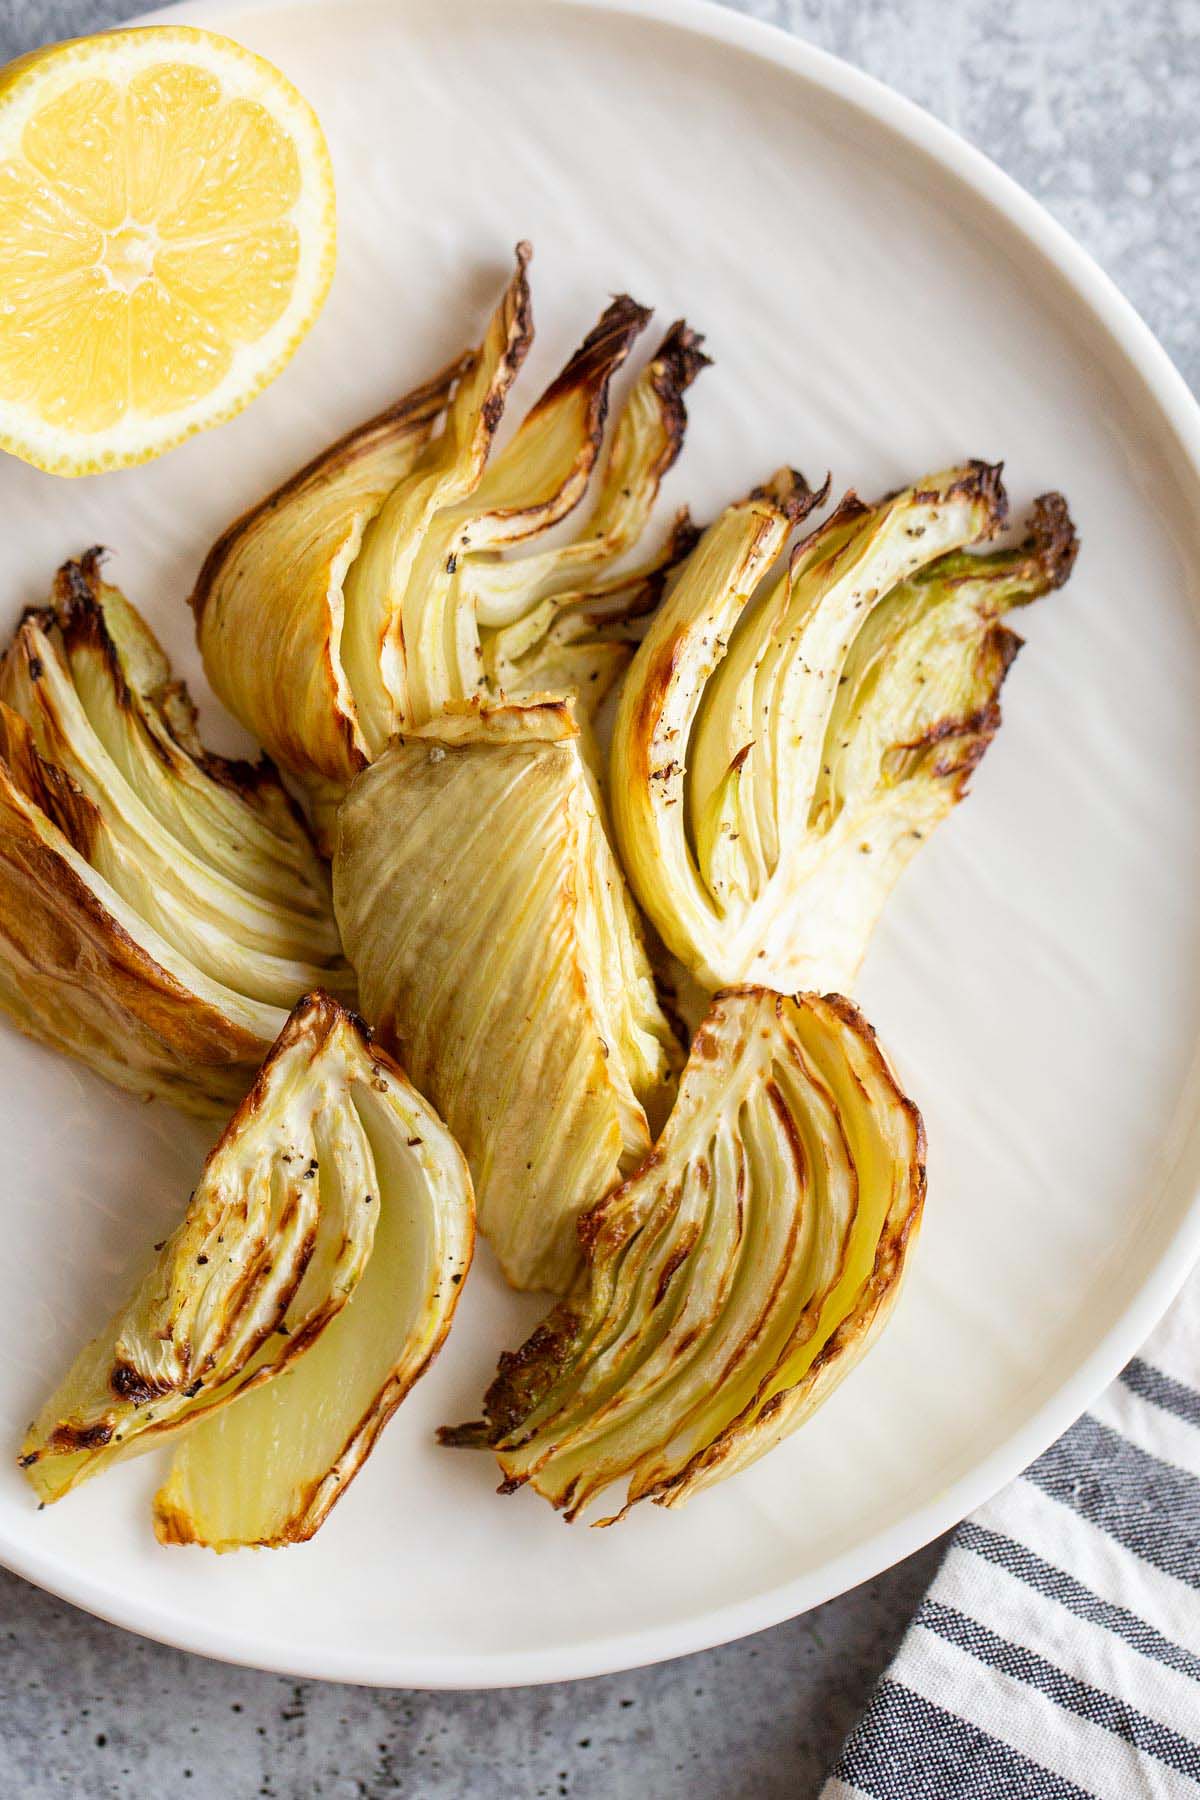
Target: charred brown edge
(985, 481)
(517, 305)
(1050, 549)
(69, 1440)
(789, 492)
(249, 780)
(591, 367)
(46, 785)
(1041, 562)
(522, 1380)
(848, 508)
(135, 1385)
(77, 610)
(680, 357)
(979, 481)
(171, 1527)
(972, 733)
(318, 1012)
(593, 1222)
(517, 313)
(1052, 538)
(675, 365)
(683, 1249)
(685, 534)
(651, 697)
(157, 980)
(524, 1376)
(73, 610)
(66, 1440)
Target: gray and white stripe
(1057, 1654)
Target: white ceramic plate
(880, 301)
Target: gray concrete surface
(1092, 105)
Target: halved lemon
(167, 237)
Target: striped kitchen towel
(1057, 1654)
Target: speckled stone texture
(1092, 105)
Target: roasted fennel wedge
(310, 1282)
(377, 586)
(498, 953)
(161, 908)
(733, 1280)
(786, 740)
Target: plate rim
(1096, 291)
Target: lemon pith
(166, 240)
